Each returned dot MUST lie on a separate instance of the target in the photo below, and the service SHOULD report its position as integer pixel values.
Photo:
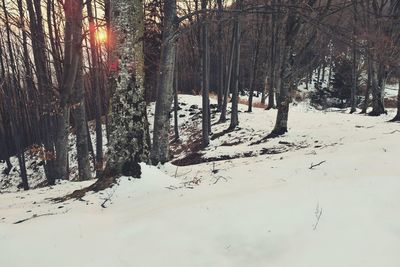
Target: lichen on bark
(128, 121)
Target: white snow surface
(262, 210)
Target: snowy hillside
(325, 194)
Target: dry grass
(241, 101)
(391, 102)
(255, 104)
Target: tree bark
(206, 78)
(220, 75)
(353, 100)
(229, 77)
(272, 63)
(14, 108)
(45, 88)
(72, 57)
(235, 91)
(79, 114)
(128, 121)
(96, 89)
(255, 61)
(160, 149)
(377, 90)
(368, 89)
(285, 42)
(176, 102)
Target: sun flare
(101, 35)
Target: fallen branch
(176, 172)
(318, 214)
(107, 199)
(315, 165)
(219, 178)
(392, 132)
(37, 216)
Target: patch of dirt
(234, 143)
(198, 157)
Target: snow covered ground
(325, 194)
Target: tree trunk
(397, 117)
(229, 77)
(96, 89)
(160, 149)
(368, 89)
(206, 79)
(176, 102)
(286, 59)
(45, 89)
(283, 102)
(377, 90)
(235, 92)
(72, 57)
(220, 75)
(127, 145)
(79, 113)
(272, 63)
(9, 167)
(353, 100)
(14, 108)
(323, 70)
(259, 28)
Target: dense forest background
(57, 64)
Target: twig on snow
(318, 214)
(392, 132)
(39, 215)
(107, 199)
(315, 165)
(219, 178)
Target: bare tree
(128, 121)
(160, 149)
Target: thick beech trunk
(128, 144)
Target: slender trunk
(272, 63)
(90, 143)
(13, 107)
(206, 79)
(72, 57)
(44, 87)
(54, 48)
(7, 170)
(330, 73)
(319, 74)
(229, 77)
(377, 90)
(79, 113)
(368, 89)
(160, 149)
(353, 100)
(323, 71)
(255, 63)
(220, 56)
(96, 89)
(235, 92)
(176, 103)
